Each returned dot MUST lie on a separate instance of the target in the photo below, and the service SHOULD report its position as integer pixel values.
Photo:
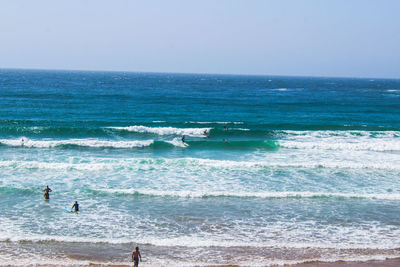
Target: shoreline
(393, 262)
(390, 262)
(45, 253)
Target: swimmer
(46, 194)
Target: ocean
(273, 170)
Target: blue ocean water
(273, 169)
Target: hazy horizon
(197, 73)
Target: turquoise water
(281, 169)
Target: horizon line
(198, 73)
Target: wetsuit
(76, 207)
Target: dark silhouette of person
(46, 194)
(183, 138)
(135, 257)
(75, 206)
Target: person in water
(135, 257)
(75, 206)
(46, 194)
(183, 138)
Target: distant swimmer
(135, 257)
(206, 134)
(75, 206)
(183, 138)
(22, 141)
(46, 194)
(225, 128)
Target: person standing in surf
(75, 206)
(183, 138)
(46, 194)
(135, 257)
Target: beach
(198, 169)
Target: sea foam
(195, 132)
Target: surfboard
(69, 210)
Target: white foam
(156, 262)
(206, 193)
(216, 122)
(25, 142)
(194, 164)
(342, 140)
(380, 146)
(195, 242)
(195, 132)
(177, 142)
(344, 133)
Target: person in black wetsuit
(46, 194)
(135, 257)
(75, 206)
(183, 138)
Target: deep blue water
(308, 165)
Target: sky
(338, 38)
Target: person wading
(135, 257)
(46, 194)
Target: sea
(273, 170)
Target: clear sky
(346, 38)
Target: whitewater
(272, 170)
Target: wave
(195, 132)
(215, 194)
(273, 132)
(21, 261)
(194, 164)
(214, 122)
(190, 242)
(98, 143)
(347, 145)
(222, 194)
(52, 131)
(95, 143)
(341, 133)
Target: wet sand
(384, 263)
(53, 253)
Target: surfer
(46, 194)
(22, 141)
(225, 128)
(206, 133)
(135, 257)
(183, 138)
(75, 206)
